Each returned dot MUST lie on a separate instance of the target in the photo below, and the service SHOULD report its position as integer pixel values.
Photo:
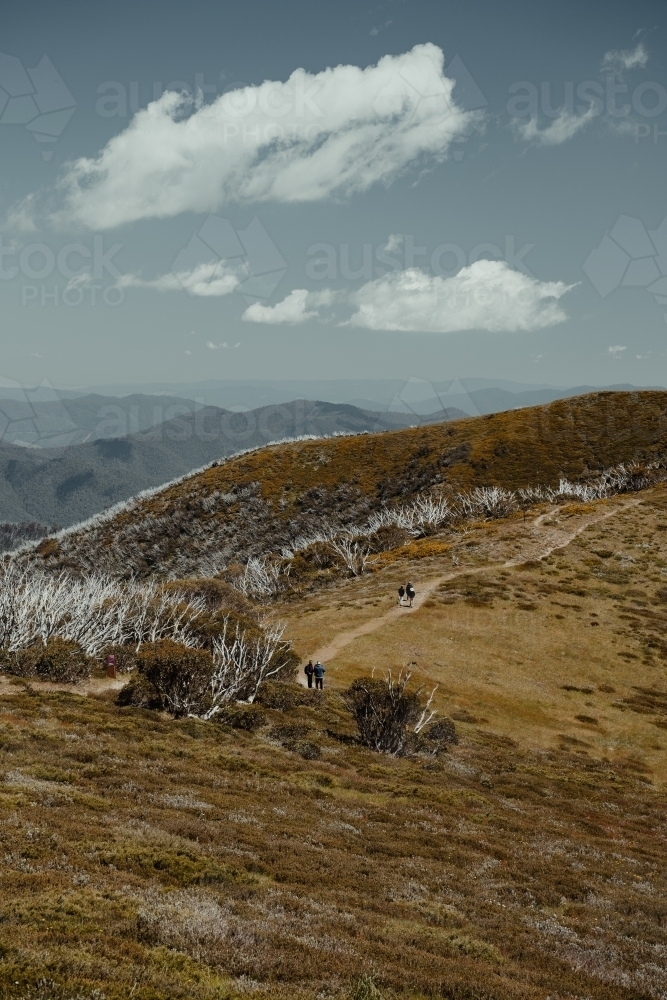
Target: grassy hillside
(157, 859)
(167, 859)
(64, 486)
(260, 502)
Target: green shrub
(139, 693)
(246, 717)
(58, 660)
(389, 537)
(284, 696)
(293, 737)
(216, 593)
(210, 625)
(179, 676)
(385, 712)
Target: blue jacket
(319, 669)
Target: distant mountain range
(65, 485)
(416, 396)
(30, 420)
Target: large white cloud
(487, 295)
(308, 138)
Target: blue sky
(418, 188)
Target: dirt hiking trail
(548, 537)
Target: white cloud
(212, 279)
(306, 139)
(393, 243)
(21, 217)
(295, 308)
(224, 346)
(562, 128)
(616, 351)
(487, 295)
(621, 60)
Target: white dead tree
(354, 553)
(93, 611)
(242, 664)
(260, 578)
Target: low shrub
(179, 676)
(389, 537)
(294, 737)
(283, 696)
(139, 693)
(215, 593)
(55, 660)
(431, 740)
(246, 717)
(388, 716)
(210, 625)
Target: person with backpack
(308, 671)
(319, 672)
(410, 592)
(401, 594)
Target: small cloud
(221, 347)
(22, 216)
(620, 60)
(563, 127)
(393, 243)
(616, 351)
(187, 352)
(297, 307)
(35, 354)
(211, 279)
(376, 31)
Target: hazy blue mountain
(65, 485)
(31, 420)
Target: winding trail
(557, 539)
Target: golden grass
(504, 643)
(517, 448)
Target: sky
(319, 190)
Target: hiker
(401, 594)
(308, 671)
(409, 592)
(319, 672)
